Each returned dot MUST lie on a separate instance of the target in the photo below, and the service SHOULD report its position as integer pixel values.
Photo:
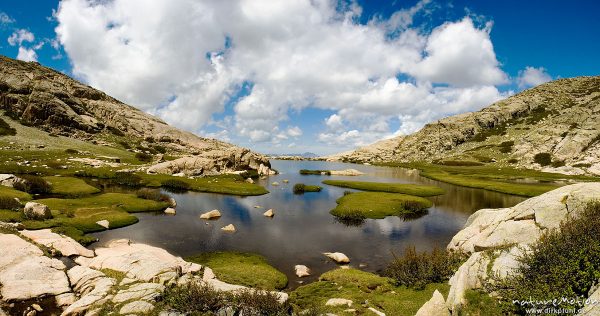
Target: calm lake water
(302, 228)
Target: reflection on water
(302, 228)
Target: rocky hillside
(38, 96)
(558, 119)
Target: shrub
(9, 203)
(33, 184)
(152, 194)
(564, 262)
(416, 270)
(558, 163)
(71, 151)
(160, 149)
(127, 178)
(115, 131)
(543, 159)
(582, 165)
(176, 185)
(149, 139)
(6, 130)
(200, 299)
(506, 147)
(144, 157)
(300, 188)
(125, 144)
(513, 160)
(351, 218)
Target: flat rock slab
(66, 245)
(138, 261)
(25, 272)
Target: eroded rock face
(139, 261)
(51, 101)
(495, 238)
(26, 273)
(65, 245)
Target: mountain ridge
(559, 118)
(39, 96)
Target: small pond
(302, 228)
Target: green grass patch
(315, 172)
(69, 186)
(242, 268)
(459, 163)
(503, 179)
(12, 193)
(300, 188)
(410, 189)
(378, 205)
(359, 286)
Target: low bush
(143, 157)
(300, 188)
(115, 131)
(351, 218)
(9, 203)
(513, 161)
(125, 144)
(152, 194)
(543, 159)
(416, 270)
(564, 262)
(71, 151)
(506, 147)
(160, 149)
(127, 178)
(582, 165)
(201, 299)
(6, 130)
(558, 163)
(176, 185)
(33, 184)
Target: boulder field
(129, 276)
(495, 238)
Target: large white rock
(301, 270)
(269, 213)
(136, 307)
(337, 257)
(139, 261)
(37, 211)
(229, 228)
(25, 272)
(338, 302)
(346, 172)
(436, 306)
(93, 288)
(170, 211)
(512, 230)
(104, 223)
(66, 245)
(211, 214)
(141, 291)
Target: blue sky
(273, 76)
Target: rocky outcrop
(436, 306)
(26, 273)
(558, 117)
(495, 238)
(49, 100)
(63, 244)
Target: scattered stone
(302, 270)
(172, 202)
(249, 180)
(337, 257)
(269, 213)
(37, 307)
(210, 215)
(338, 302)
(136, 307)
(229, 228)
(376, 312)
(37, 211)
(65, 245)
(104, 223)
(170, 211)
(286, 181)
(257, 206)
(436, 306)
(275, 183)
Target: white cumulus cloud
(20, 36)
(26, 54)
(531, 76)
(185, 59)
